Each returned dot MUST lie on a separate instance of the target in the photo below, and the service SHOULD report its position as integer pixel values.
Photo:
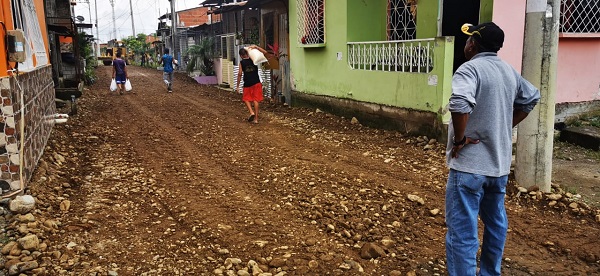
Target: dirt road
(182, 184)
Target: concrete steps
(585, 136)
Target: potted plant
(275, 56)
(239, 38)
(201, 58)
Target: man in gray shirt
(488, 99)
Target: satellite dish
(79, 18)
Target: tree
(201, 57)
(137, 45)
(86, 52)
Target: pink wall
(578, 70)
(578, 58)
(510, 16)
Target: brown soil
(578, 171)
(174, 184)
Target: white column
(536, 133)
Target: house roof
(232, 7)
(84, 25)
(211, 3)
(229, 8)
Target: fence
(392, 56)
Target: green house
(389, 63)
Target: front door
(455, 14)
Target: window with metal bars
(580, 16)
(25, 18)
(311, 22)
(402, 19)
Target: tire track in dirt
(188, 151)
(262, 188)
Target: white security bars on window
(392, 56)
(402, 18)
(580, 16)
(311, 22)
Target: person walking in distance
(252, 87)
(488, 99)
(168, 62)
(119, 72)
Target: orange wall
(6, 17)
(193, 17)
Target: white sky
(145, 14)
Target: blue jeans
(168, 78)
(468, 196)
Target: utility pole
(112, 3)
(536, 133)
(173, 29)
(97, 31)
(131, 13)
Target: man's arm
(461, 104)
(258, 48)
(125, 70)
(114, 72)
(459, 123)
(527, 97)
(518, 116)
(239, 76)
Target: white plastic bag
(256, 56)
(128, 85)
(113, 85)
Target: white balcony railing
(414, 56)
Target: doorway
(455, 14)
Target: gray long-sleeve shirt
(489, 90)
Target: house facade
(254, 22)
(63, 39)
(185, 20)
(388, 63)
(578, 75)
(27, 92)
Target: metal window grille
(580, 16)
(228, 46)
(311, 22)
(415, 56)
(223, 46)
(402, 18)
(25, 18)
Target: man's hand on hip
(456, 148)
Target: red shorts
(253, 93)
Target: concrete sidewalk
(585, 136)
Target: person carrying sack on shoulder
(252, 87)
(119, 73)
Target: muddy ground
(182, 184)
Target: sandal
(251, 118)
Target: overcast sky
(145, 14)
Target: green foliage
(86, 51)
(138, 44)
(201, 57)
